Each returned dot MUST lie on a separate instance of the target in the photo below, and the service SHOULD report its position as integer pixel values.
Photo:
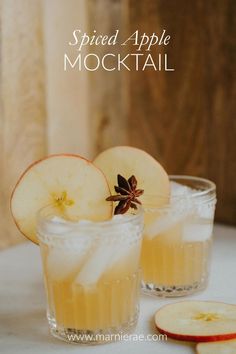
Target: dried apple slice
(128, 161)
(222, 347)
(71, 184)
(197, 321)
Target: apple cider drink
(177, 239)
(91, 272)
(90, 257)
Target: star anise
(128, 194)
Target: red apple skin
(192, 338)
(188, 338)
(35, 163)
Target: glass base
(173, 290)
(91, 337)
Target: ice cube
(197, 231)
(201, 202)
(158, 226)
(122, 251)
(179, 210)
(177, 213)
(96, 264)
(205, 210)
(54, 226)
(178, 190)
(61, 262)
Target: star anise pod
(128, 194)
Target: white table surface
(23, 324)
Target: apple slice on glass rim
(197, 321)
(72, 185)
(128, 161)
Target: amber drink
(92, 275)
(177, 238)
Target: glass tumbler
(177, 238)
(92, 276)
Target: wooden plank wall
(108, 90)
(186, 118)
(68, 123)
(90, 107)
(22, 104)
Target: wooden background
(186, 118)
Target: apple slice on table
(222, 347)
(197, 321)
(69, 183)
(128, 161)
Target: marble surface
(23, 324)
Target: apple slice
(127, 161)
(69, 183)
(222, 347)
(197, 321)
